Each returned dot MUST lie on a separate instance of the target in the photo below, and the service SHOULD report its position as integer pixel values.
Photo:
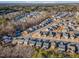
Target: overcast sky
(39, 1)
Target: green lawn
(40, 53)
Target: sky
(39, 1)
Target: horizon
(39, 1)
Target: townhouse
(7, 39)
(61, 47)
(43, 43)
(71, 48)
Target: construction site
(44, 29)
